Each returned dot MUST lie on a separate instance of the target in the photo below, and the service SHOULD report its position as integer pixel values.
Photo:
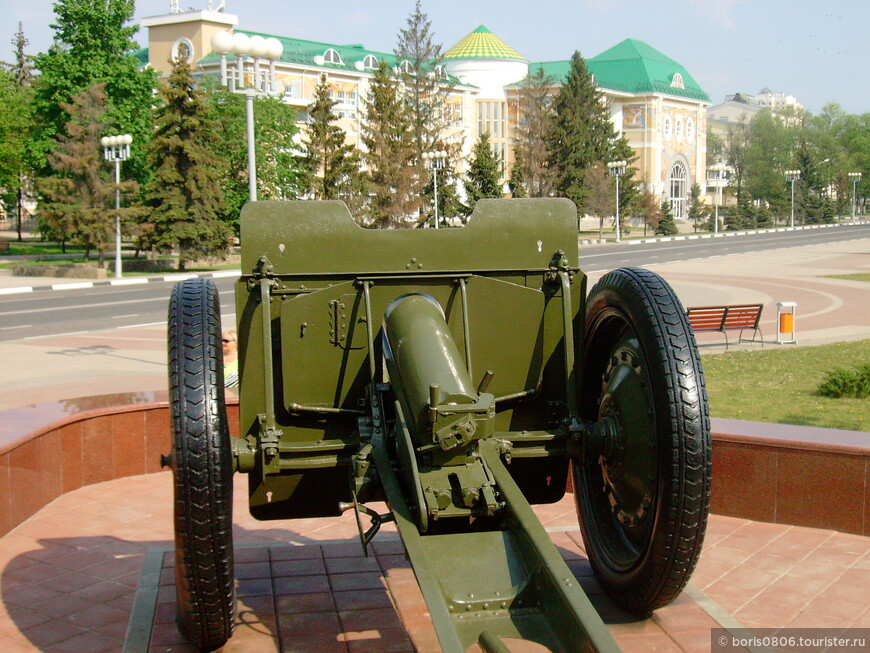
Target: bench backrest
(720, 318)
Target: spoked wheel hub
(642, 484)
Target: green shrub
(847, 383)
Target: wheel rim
(621, 467)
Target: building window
(440, 72)
(690, 130)
(332, 56)
(679, 187)
(407, 68)
(667, 128)
(370, 62)
(678, 130)
(677, 81)
(182, 50)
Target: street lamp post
(792, 176)
(117, 149)
(251, 53)
(717, 178)
(617, 169)
(854, 177)
(435, 160)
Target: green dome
(482, 44)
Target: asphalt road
(48, 313)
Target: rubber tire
(202, 467)
(640, 300)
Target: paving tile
(362, 599)
(300, 585)
(369, 619)
(299, 567)
(352, 565)
(303, 603)
(380, 641)
(86, 643)
(356, 581)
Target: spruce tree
(394, 169)
(533, 118)
(697, 209)
(332, 165)
(484, 172)
(184, 194)
(449, 205)
(517, 179)
(580, 133)
(666, 225)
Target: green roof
(482, 44)
(633, 66)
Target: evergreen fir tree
(666, 225)
(185, 194)
(394, 170)
(517, 179)
(332, 165)
(763, 217)
(697, 209)
(580, 133)
(484, 171)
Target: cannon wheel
(202, 467)
(642, 488)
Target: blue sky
(816, 51)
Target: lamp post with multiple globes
(117, 149)
(250, 78)
(435, 160)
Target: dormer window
(370, 62)
(331, 56)
(677, 81)
(440, 72)
(406, 68)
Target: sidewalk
(134, 359)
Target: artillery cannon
(460, 375)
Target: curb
(723, 234)
(121, 282)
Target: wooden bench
(727, 318)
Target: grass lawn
(778, 385)
(858, 276)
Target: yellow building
(652, 99)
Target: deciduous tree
(534, 113)
(93, 43)
(77, 197)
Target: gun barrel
(425, 366)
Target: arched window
(679, 189)
(677, 81)
(440, 72)
(406, 68)
(370, 62)
(332, 56)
